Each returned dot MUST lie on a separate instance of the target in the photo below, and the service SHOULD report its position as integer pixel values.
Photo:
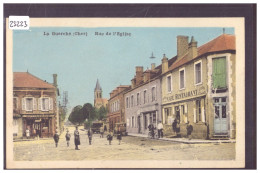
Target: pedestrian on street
(119, 136)
(189, 130)
(174, 126)
(110, 137)
(56, 138)
(67, 136)
(27, 131)
(105, 128)
(151, 130)
(160, 129)
(90, 133)
(101, 131)
(76, 138)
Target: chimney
(152, 66)
(182, 45)
(147, 75)
(193, 51)
(164, 64)
(139, 74)
(55, 80)
(133, 83)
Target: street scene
(173, 99)
(137, 148)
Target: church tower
(98, 100)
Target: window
(153, 94)
(219, 73)
(133, 121)
(145, 121)
(132, 101)
(198, 73)
(182, 79)
(29, 104)
(169, 83)
(45, 104)
(138, 99)
(167, 113)
(127, 104)
(144, 96)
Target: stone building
(34, 105)
(116, 108)
(199, 87)
(143, 100)
(98, 99)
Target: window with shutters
(182, 78)
(198, 110)
(219, 73)
(45, 104)
(29, 104)
(198, 73)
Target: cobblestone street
(136, 148)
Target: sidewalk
(187, 141)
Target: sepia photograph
(125, 93)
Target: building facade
(116, 108)
(143, 100)
(34, 105)
(99, 101)
(199, 88)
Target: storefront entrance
(221, 119)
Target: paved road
(136, 148)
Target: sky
(80, 60)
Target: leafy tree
(102, 113)
(89, 111)
(76, 115)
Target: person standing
(105, 128)
(174, 126)
(76, 138)
(101, 131)
(67, 136)
(151, 130)
(110, 137)
(56, 138)
(27, 132)
(90, 133)
(160, 129)
(119, 136)
(189, 130)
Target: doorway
(220, 116)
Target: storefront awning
(37, 116)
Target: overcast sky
(80, 60)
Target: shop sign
(188, 94)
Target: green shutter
(219, 72)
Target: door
(139, 124)
(221, 118)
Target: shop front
(39, 125)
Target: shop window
(167, 112)
(169, 83)
(219, 73)
(198, 73)
(182, 79)
(154, 117)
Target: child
(56, 138)
(110, 137)
(67, 136)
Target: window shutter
(39, 103)
(51, 104)
(195, 116)
(219, 73)
(23, 103)
(34, 104)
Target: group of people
(152, 129)
(90, 134)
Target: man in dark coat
(174, 126)
(56, 138)
(90, 133)
(189, 130)
(76, 138)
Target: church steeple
(98, 90)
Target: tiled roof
(222, 43)
(27, 80)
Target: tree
(76, 115)
(102, 113)
(89, 111)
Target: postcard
(125, 93)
